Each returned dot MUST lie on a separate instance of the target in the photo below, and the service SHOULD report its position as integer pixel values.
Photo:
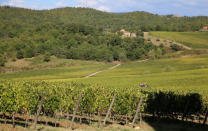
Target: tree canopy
(83, 33)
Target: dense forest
(132, 21)
(73, 41)
(83, 33)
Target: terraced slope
(191, 39)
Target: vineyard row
(48, 98)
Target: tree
(139, 33)
(158, 28)
(20, 54)
(122, 57)
(79, 38)
(108, 56)
(47, 57)
(175, 47)
(29, 52)
(2, 60)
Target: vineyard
(80, 68)
(190, 39)
(62, 99)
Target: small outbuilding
(204, 29)
(127, 34)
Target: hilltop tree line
(112, 22)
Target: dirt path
(166, 43)
(93, 74)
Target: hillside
(83, 33)
(167, 74)
(35, 68)
(112, 21)
(27, 33)
(190, 39)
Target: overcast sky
(181, 7)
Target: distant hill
(131, 21)
(84, 33)
(72, 33)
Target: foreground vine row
(61, 97)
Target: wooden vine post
(109, 110)
(75, 111)
(140, 121)
(205, 119)
(5, 119)
(13, 119)
(99, 119)
(185, 110)
(38, 111)
(137, 111)
(26, 120)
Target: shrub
(175, 47)
(13, 59)
(139, 33)
(29, 53)
(122, 57)
(171, 42)
(47, 57)
(2, 60)
(20, 54)
(161, 45)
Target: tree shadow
(175, 112)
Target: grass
(189, 72)
(158, 73)
(55, 69)
(190, 39)
(177, 74)
(37, 63)
(193, 80)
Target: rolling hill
(190, 39)
(112, 21)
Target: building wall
(127, 34)
(205, 27)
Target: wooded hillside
(83, 33)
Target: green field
(55, 69)
(181, 74)
(175, 73)
(190, 39)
